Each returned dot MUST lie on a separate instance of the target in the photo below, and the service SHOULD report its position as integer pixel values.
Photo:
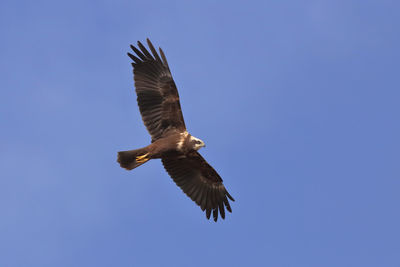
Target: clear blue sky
(297, 101)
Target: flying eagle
(158, 102)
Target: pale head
(196, 143)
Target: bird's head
(196, 143)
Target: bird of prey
(158, 102)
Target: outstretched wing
(199, 181)
(157, 95)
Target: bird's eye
(198, 142)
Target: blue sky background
(297, 101)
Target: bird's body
(159, 106)
(175, 143)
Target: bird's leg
(142, 159)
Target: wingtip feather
(154, 51)
(227, 205)
(144, 50)
(230, 197)
(222, 210)
(215, 214)
(135, 59)
(208, 213)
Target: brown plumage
(158, 102)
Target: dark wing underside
(199, 181)
(157, 95)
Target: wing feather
(153, 51)
(215, 214)
(226, 202)
(203, 202)
(133, 58)
(137, 51)
(201, 182)
(208, 213)
(144, 50)
(164, 58)
(221, 205)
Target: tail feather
(129, 159)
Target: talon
(142, 159)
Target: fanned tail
(133, 158)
